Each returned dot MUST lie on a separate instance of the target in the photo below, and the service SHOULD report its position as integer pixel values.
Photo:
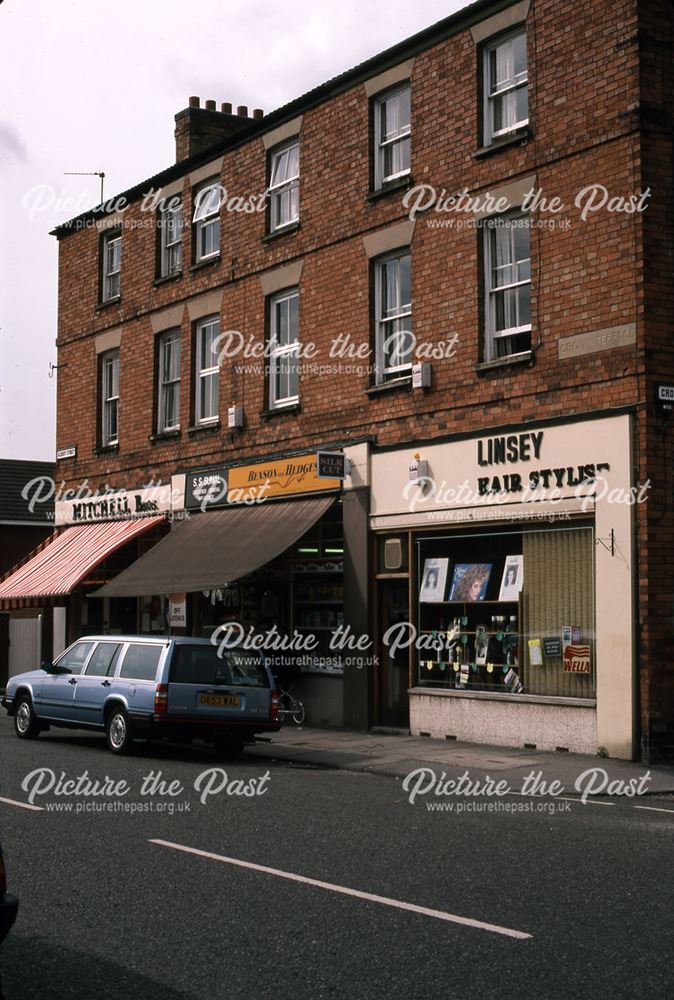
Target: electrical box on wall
(421, 376)
(235, 416)
(418, 469)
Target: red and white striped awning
(66, 558)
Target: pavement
(397, 755)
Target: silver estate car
(137, 687)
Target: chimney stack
(197, 128)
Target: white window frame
(111, 265)
(206, 219)
(110, 398)
(168, 385)
(278, 351)
(510, 86)
(381, 143)
(290, 185)
(493, 350)
(384, 323)
(171, 235)
(206, 368)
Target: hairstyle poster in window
(470, 581)
(512, 579)
(433, 581)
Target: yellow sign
(283, 477)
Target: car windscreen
(200, 664)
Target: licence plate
(220, 700)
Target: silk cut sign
(577, 660)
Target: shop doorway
(392, 697)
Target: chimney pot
(258, 113)
(242, 111)
(226, 108)
(210, 106)
(194, 102)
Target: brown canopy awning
(208, 550)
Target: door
(57, 697)
(24, 644)
(94, 685)
(392, 697)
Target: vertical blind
(558, 590)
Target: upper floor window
(207, 221)
(393, 315)
(168, 396)
(111, 253)
(506, 92)
(284, 186)
(392, 127)
(284, 344)
(109, 397)
(171, 233)
(207, 371)
(508, 286)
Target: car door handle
(105, 684)
(72, 680)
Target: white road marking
(654, 809)
(370, 897)
(588, 802)
(22, 805)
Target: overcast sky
(89, 87)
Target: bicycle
(290, 707)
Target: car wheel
(26, 725)
(227, 747)
(118, 731)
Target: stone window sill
(518, 138)
(523, 358)
(399, 185)
(214, 425)
(403, 384)
(282, 231)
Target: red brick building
(500, 187)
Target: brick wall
(600, 105)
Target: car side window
(141, 662)
(103, 660)
(74, 658)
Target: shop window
(168, 396)
(284, 186)
(284, 345)
(109, 398)
(392, 127)
(206, 221)
(393, 316)
(506, 87)
(111, 265)
(206, 406)
(170, 220)
(509, 613)
(508, 287)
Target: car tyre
(118, 731)
(26, 725)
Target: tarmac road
(533, 899)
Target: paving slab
(399, 755)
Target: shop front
(96, 537)
(505, 585)
(262, 553)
